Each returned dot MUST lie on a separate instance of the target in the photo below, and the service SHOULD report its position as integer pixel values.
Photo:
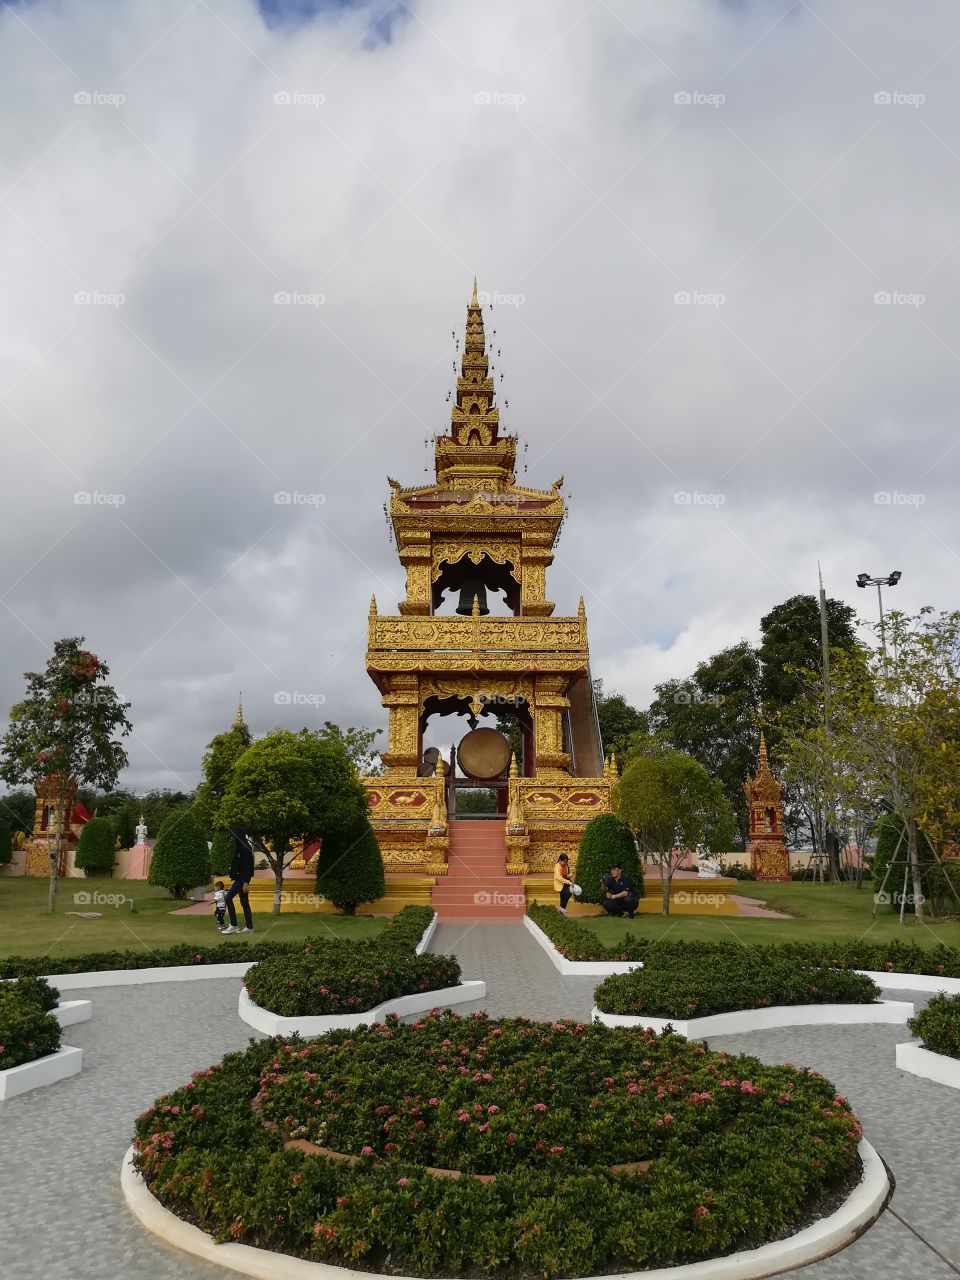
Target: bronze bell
(472, 589)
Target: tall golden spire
(764, 761)
(474, 419)
(239, 717)
(473, 300)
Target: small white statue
(707, 868)
(141, 831)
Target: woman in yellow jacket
(563, 882)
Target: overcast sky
(791, 169)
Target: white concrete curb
(69, 1012)
(912, 1057)
(786, 1015)
(578, 968)
(912, 981)
(276, 1024)
(34, 1075)
(134, 977)
(427, 938)
(830, 1234)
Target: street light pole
(865, 580)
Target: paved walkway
(62, 1216)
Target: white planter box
(134, 977)
(275, 1024)
(786, 1015)
(840, 1228)
(912, 981)
(427, 938)
(578, 968)
(69, 1012)
(912, 1057)
(34, 1075)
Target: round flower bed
(573, 1149)
(938, 1026)
(672, 985)
(28, 1028)
(338, 977)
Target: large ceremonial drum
(483, 753)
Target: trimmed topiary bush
(221, 853)
(594, 1150)
(677, 982)
(181, 859)
(27, 1029)
(125, 822)
(96, 852)
(350, 867)
(938, 1026)
(606, 841)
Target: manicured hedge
(740, 1153)
(402, 926)
(28, 1030)
(576, 942)
(938, 1026)
(676, 984)
(336, 976)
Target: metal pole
(883, 634)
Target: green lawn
(818, 913)
(28, 929)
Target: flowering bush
(28, 1030)
(577, 942)
(532, 1118)
(334, 976)
(938, 1025)
(675, 983)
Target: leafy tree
(606, 842)
(96, 848)
(222, 753)
(476, 800)
(791, 644)
(17, 809)
(156, 805)
(350, 866)
(358, 744)
(713, 716)
(67, 726)
(125, 825)
(221, 853)
(181, 859)
(6, 843)
(619, 721)
(672, 805)
(290, 785)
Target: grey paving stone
(62, 1216)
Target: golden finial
(764, 763)
(613, 764)
(581, 609)
(474, 301)
(514, 771)
(239, 719)
(373, 606)
(475, 611)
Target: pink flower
(539, 1106)
(483, 1128)
(366, 1151)
(434, 1102)
(463, 1116)
(487, 1076)
(492, 1109)
(402, 1182)
(701, 1211)
(511, 1138)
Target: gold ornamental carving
(451, 553)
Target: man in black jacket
(619, 895)
(241, 873)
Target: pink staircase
(477, 887)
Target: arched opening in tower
(454, 589)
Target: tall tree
(357, 741)
(68, 725)
(791, 644)
(290, 785)
(619, 721)
(17, 809)
(672, 805)
(713, 717)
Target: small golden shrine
(43, 839)
(769, 859)
(475, 531)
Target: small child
(220, 905)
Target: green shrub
(181, 859)
(736, 872)
(674, 983)
(95, 848)
(350, 867)
(6, 843)
(125, 824)
(221, 853)
(27, 1029)
(575, 942)
(38, 991)
(606, 841)
(740, 1153)
(938, 1025)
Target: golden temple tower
(769, 858)
(475, 531)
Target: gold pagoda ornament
(472, 539)
(769, 859)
